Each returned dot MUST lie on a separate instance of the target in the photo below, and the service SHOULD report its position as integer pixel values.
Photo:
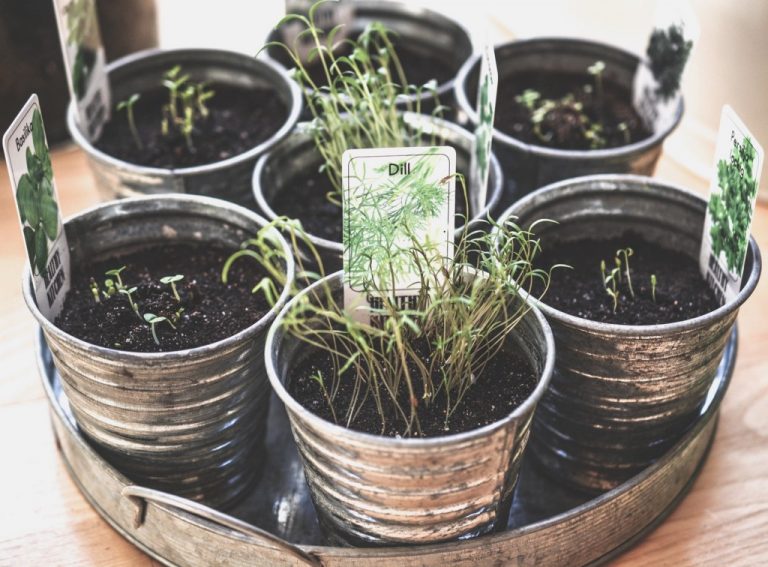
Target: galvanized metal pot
(621, 395)
(528, 167)
(375, 490)
(428, 32)
(278, 169)
(189, 422)
(226, 179)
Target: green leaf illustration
(29, 240)
(41, 251)
(38, 134)
(26, 197)
(34, 167)
(49, 213)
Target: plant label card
(732, 195)
(29, 166)
(85, 63)
(479, 166)
(397, 203)
(656, 86)
(326, 16)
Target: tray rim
(709, 417)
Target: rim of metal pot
(492, 197)
(600, 154)
(175, 355)
(416, 12)
(586, 185)
(293, 115)
(392, 442)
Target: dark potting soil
(418, 67)
(305, 199)
(564, 125)
(212, 310)
(681, 292)
(506, 382)
(240, 119)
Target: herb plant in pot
(160, 341)
(564, 109)
(301, 178)
(430, 47)
(639, 333)
(412, 426)
(189, 121)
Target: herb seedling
(95, 290)
(172, 280)
(115, 273)
(128, 105)
(610, 281)
(154, 320)
(627, 252)
(129, 294)
(358, 105)
(191, 97)
(653, 287)
(109, 287)
(596, 70)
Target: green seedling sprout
(202, 95)
(627, 252)
(173, 80)
(528, 99)
(154, 320)
(653, 287)
(115, 273)
(129, 294)
(95, 290)
(624, 129)
(128, 105)
(110, 289)
(191, 97)
(172, 280)
(596, 70)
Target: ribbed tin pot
(190, 422)
(621, 395)
(227, 179)
(295, 155)
(433, 34)
(527, 166)
(376, 490)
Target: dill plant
(357, 107)
(431, 353)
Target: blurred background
(727, 64)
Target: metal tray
(276, 525)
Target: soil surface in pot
(562, 125)
(212, 310)
(681, 292)
(304, 198)
(240, 119)
(418, 66)
(506, 382)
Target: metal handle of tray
(140, 496)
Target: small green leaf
(34, 167)
(26, 197)
(29, 240)
(49, 213)
(38, 134)
(41, 251)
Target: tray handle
(140, 496)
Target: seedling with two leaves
(613, 279)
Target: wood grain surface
(46, 521)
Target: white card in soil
(732, 194)
(326, 17)
(488, 86)
(656, 86)
(29, 166)
(394, 200)
(85, 63)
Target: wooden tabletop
(46, 521)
